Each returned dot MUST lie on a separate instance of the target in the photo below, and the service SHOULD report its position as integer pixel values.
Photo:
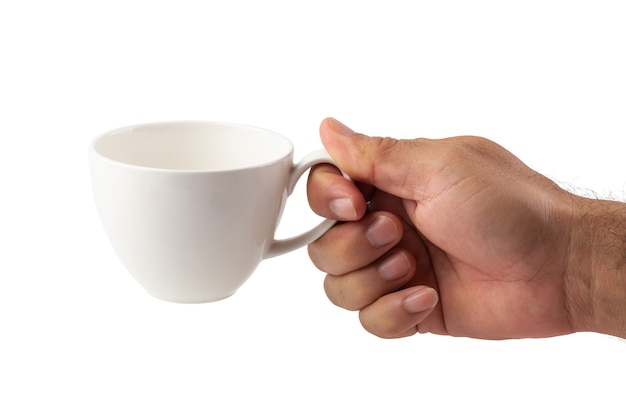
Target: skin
(457, 236)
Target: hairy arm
(596, 282)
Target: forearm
(596, 284)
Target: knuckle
(387, 319)
(341, 296)
(377, 324)
(313, 250)
(375, 327)
(339, 250)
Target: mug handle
(282, 246)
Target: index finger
(333, 196)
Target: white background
(79, 337)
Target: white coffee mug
(191, 208)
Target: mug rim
(95, 153)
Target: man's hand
(452, 236)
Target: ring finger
(358, 289)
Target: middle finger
(352, 245)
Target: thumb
(386, 163)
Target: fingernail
(382, 232)
(394, 267)
(341, 128)
(421, 300)
(343, 209)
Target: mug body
(190, 207)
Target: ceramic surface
(191, 207)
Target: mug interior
(193, 146)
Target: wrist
(595, 284)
